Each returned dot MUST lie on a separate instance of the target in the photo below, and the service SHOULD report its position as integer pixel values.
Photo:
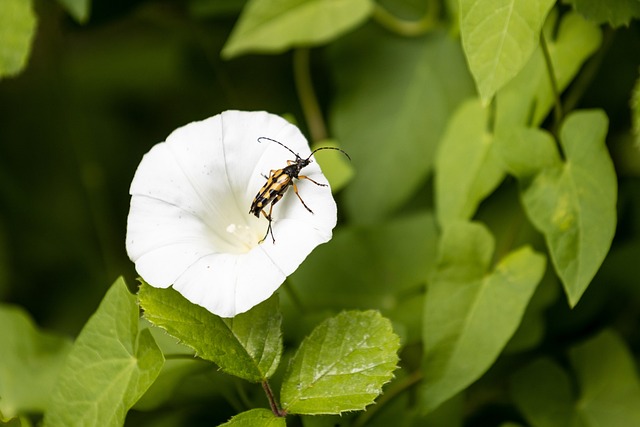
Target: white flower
(189, 225)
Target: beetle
(279, 181)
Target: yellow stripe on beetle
(279, 181)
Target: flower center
(243, 235)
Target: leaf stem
(557, 108)
(405, 27)
(307, 95)
(393, 392)
(272, 400)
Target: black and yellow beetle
(279, 181)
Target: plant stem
(293, 295)
(557, 108)
(307, 96)
(272, 400)
(405, 27)
(389, 395)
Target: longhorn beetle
(279, 181)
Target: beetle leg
(269, 228)
(295, 189)
(316, 183)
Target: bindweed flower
(189, 224)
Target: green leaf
(543, 392)
(467, 168)
(635, 111)
(499, 37)
(528, 98)
(614, 12)
(609, 392)
(248, 346)
(342, 365)
(254, 418)
(276, 25)
(17, 29)
(79, 9)
(573, 203)
(470, 312)
(29, 363)
(392, 105)
(335, 166)
(609, 386)
(109, 368)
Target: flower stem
(293, 295)
(405, 27)
(272, 400)
(307, 96)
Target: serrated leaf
(528, 98)
(499, 37)
(248, 346)
(17, 29)
(572, 202)
(467, 168)
(78, 9)
(109, 368)
(29, 363)
(276, 25)
(255, 417)
(609, 385)
(471, 312)
(613, 12)
(392, 107)
(342, 365)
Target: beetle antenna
(330, 148)
(273, 140)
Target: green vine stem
(405, 27)
(557, 108)
(307, 96)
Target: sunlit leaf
(29, 363)
(254, 418)
(276, 25)
(109, 368)
(572, 202)
(528, 98)
(613, 12)
(392, 105)
(471, 312)
(17, 29)
(499, 37)
(248, 345)
(467, 165)
(79, 9)
(342, 365)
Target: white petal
(190, 225)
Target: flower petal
(189, 225)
